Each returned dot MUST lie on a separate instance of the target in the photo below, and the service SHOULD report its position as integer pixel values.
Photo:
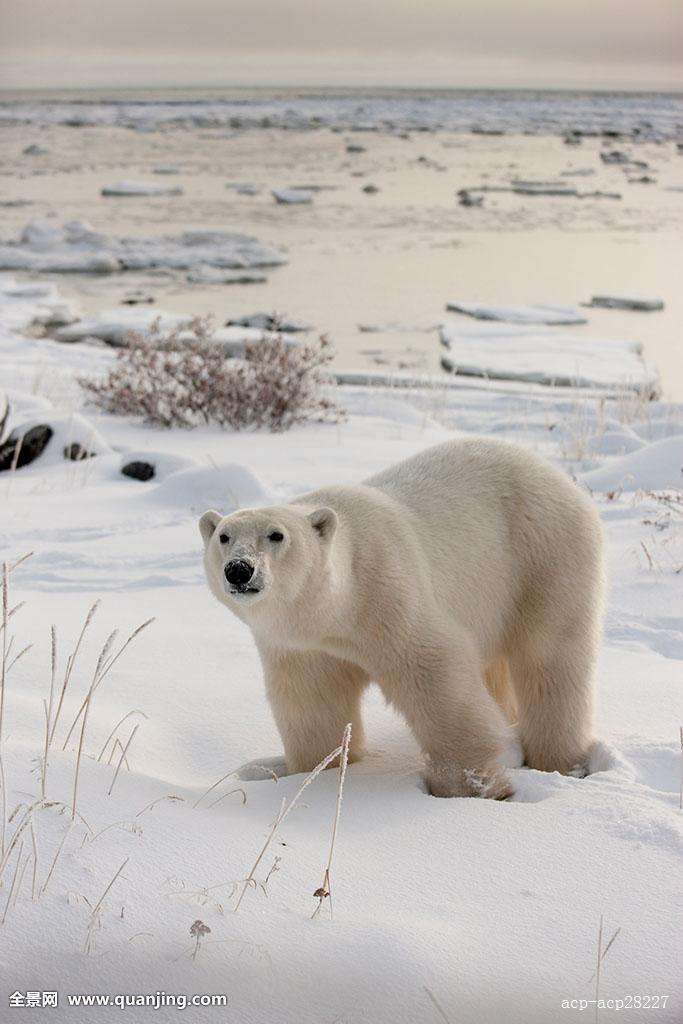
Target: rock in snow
(520, 314)
(141, 188)
(541, 356)
(624, 302)
(292, 196)
(52, 441)
(138, 470)
(4, 413)
(24, 445)
(75, 247)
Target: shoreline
(397, 256)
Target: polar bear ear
(324, 522)
(208, 524)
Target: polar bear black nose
(238, 572)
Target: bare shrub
(181, 378)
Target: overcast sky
(555, 43)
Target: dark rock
(137, 298)
(478, 130)
(76, 452)
(138, 470)
(370, 189)
(353, 147)
(31, 444)
(4, 414)
(466, 198)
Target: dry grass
(325, 890)
(94, 921)
(250, 880)
(21, 847)
(601, 953)
(182, 378)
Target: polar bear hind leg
(554, 694)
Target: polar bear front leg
(458, 725)
(313, 697)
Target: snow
(75, 247)
(520, 314)
(490, 908)
(533, 353)
(656, 466)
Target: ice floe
(293, 196)
(115, 325)
(626, 302)
(270, 322)
(533, 353)
(520, 314)
(75, 247)
(141, 188)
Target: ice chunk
(76, 247)
(292, 196)
(269, 322)
(113, 325)
(625, 302)
(542, 356)
(520, 314)
(140, 188)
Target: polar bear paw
(445, 779)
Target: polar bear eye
(276, 537)
(224, 538)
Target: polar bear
(465, 581)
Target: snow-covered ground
(458, 910)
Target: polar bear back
(477, 526)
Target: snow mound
(655, 466)
(532, 353)
(520, 314)
(75, 247)
(225, 487)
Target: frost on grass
(185, 380)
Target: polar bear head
(256, 556)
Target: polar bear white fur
(466, 581)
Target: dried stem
(115, 729)
(56, 858)
(284, 811)
(14, 884)
(70, 667)
(122, 759)
(325, 889)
